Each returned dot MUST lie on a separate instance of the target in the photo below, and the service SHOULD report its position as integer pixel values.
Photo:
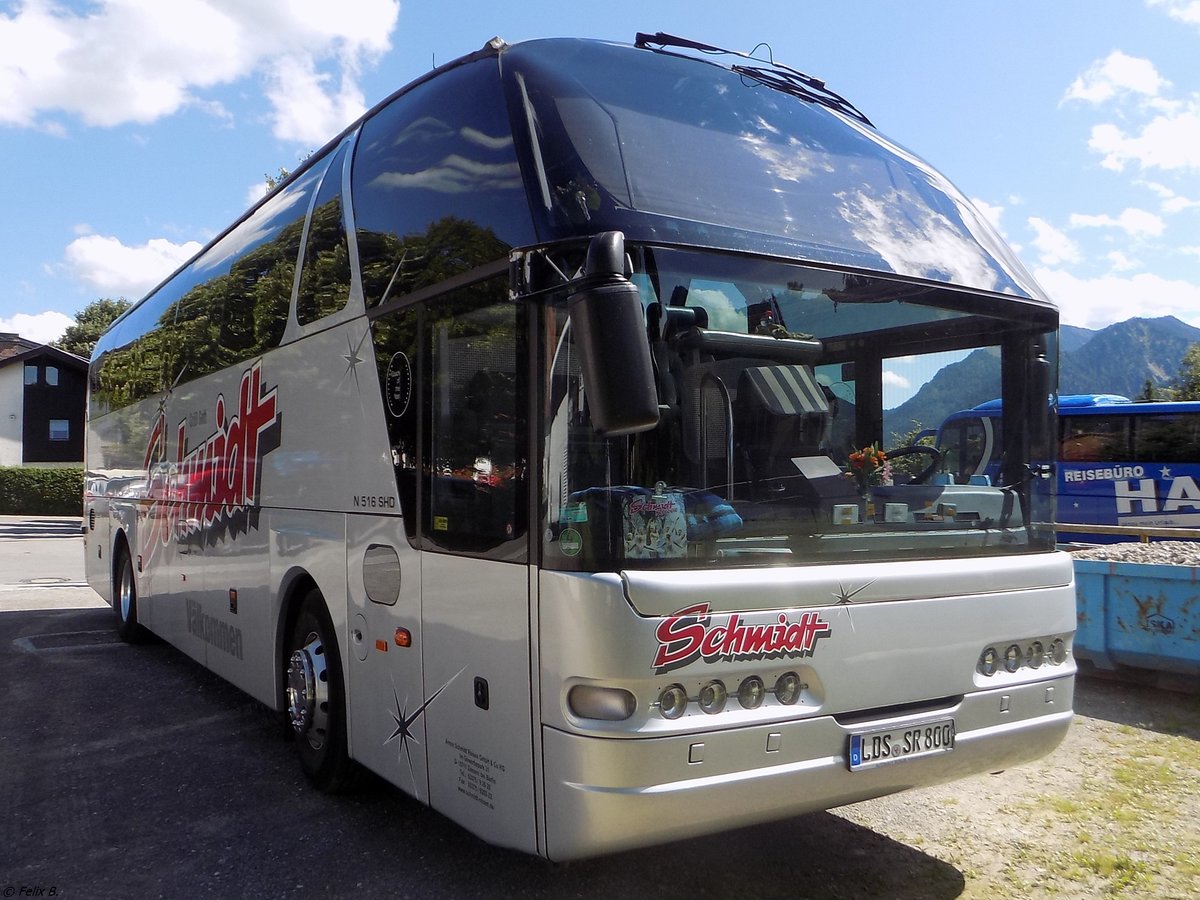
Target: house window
(52, 375)
(31, 374)
(60, 429)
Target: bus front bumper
(606, 794)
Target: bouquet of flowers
(870, 466)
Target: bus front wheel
(316, 697)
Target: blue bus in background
(1120, 462)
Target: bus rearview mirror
(606, 316)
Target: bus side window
(396, 339)
(476, 439)
(1095, 439)
(436, 185)
(325, 275)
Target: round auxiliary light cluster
(714, 696)
(1019, 655)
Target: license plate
(888, 745)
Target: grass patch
(1119, 870)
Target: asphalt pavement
(129, 771)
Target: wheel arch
(296, 584)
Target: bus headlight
(987, 661)
(713, 696)
(787, 688)
(589, 701)
(1058, 651)
(751, 692)
(672, 702)
(1012, 658)
(1036, 655)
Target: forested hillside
(1118, 359)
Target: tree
(273, 181)
(1187, 383)
(1152, 391)
(90, 322)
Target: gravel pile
(1162, 553)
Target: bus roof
(1098, 404)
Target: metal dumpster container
(1134, 614)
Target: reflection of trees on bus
(393, 267)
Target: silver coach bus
(526, 448)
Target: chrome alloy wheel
(125, 592)
(308, 691)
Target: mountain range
(1119, 359)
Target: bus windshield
(769, 448)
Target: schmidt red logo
(691, 634)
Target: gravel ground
(1113, 812)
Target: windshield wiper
(773, 75)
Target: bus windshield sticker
(654, 525)
(691, 634)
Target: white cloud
(42, 327)
(1122, 263)
(1186, 11)
(1098, 302)
(126, 61)
(305, 109)
(1115, 75)
(256, 192)
(895, 379)
(1171, 202)
(1053, 246)
(1133, 222)
(115, 270)
(1167, 142)
(989, 212)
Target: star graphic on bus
(402, 731)
(844, 598)
(1164, 473)
(352, 358)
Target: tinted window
(1095, 439)
(142, 352)
(477, 398)
(396, 356)
(623, 137)
(31, 374)
(454, 372)
(1167, 438)
(233, 301)
(325, 278)
(436, 185)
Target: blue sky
(133, 131)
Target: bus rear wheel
(124, 600)
(316, 697)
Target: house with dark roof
(43, 395)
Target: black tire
(316, 697)
(124, 600)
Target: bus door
(468, 411)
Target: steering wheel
(935, 457)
